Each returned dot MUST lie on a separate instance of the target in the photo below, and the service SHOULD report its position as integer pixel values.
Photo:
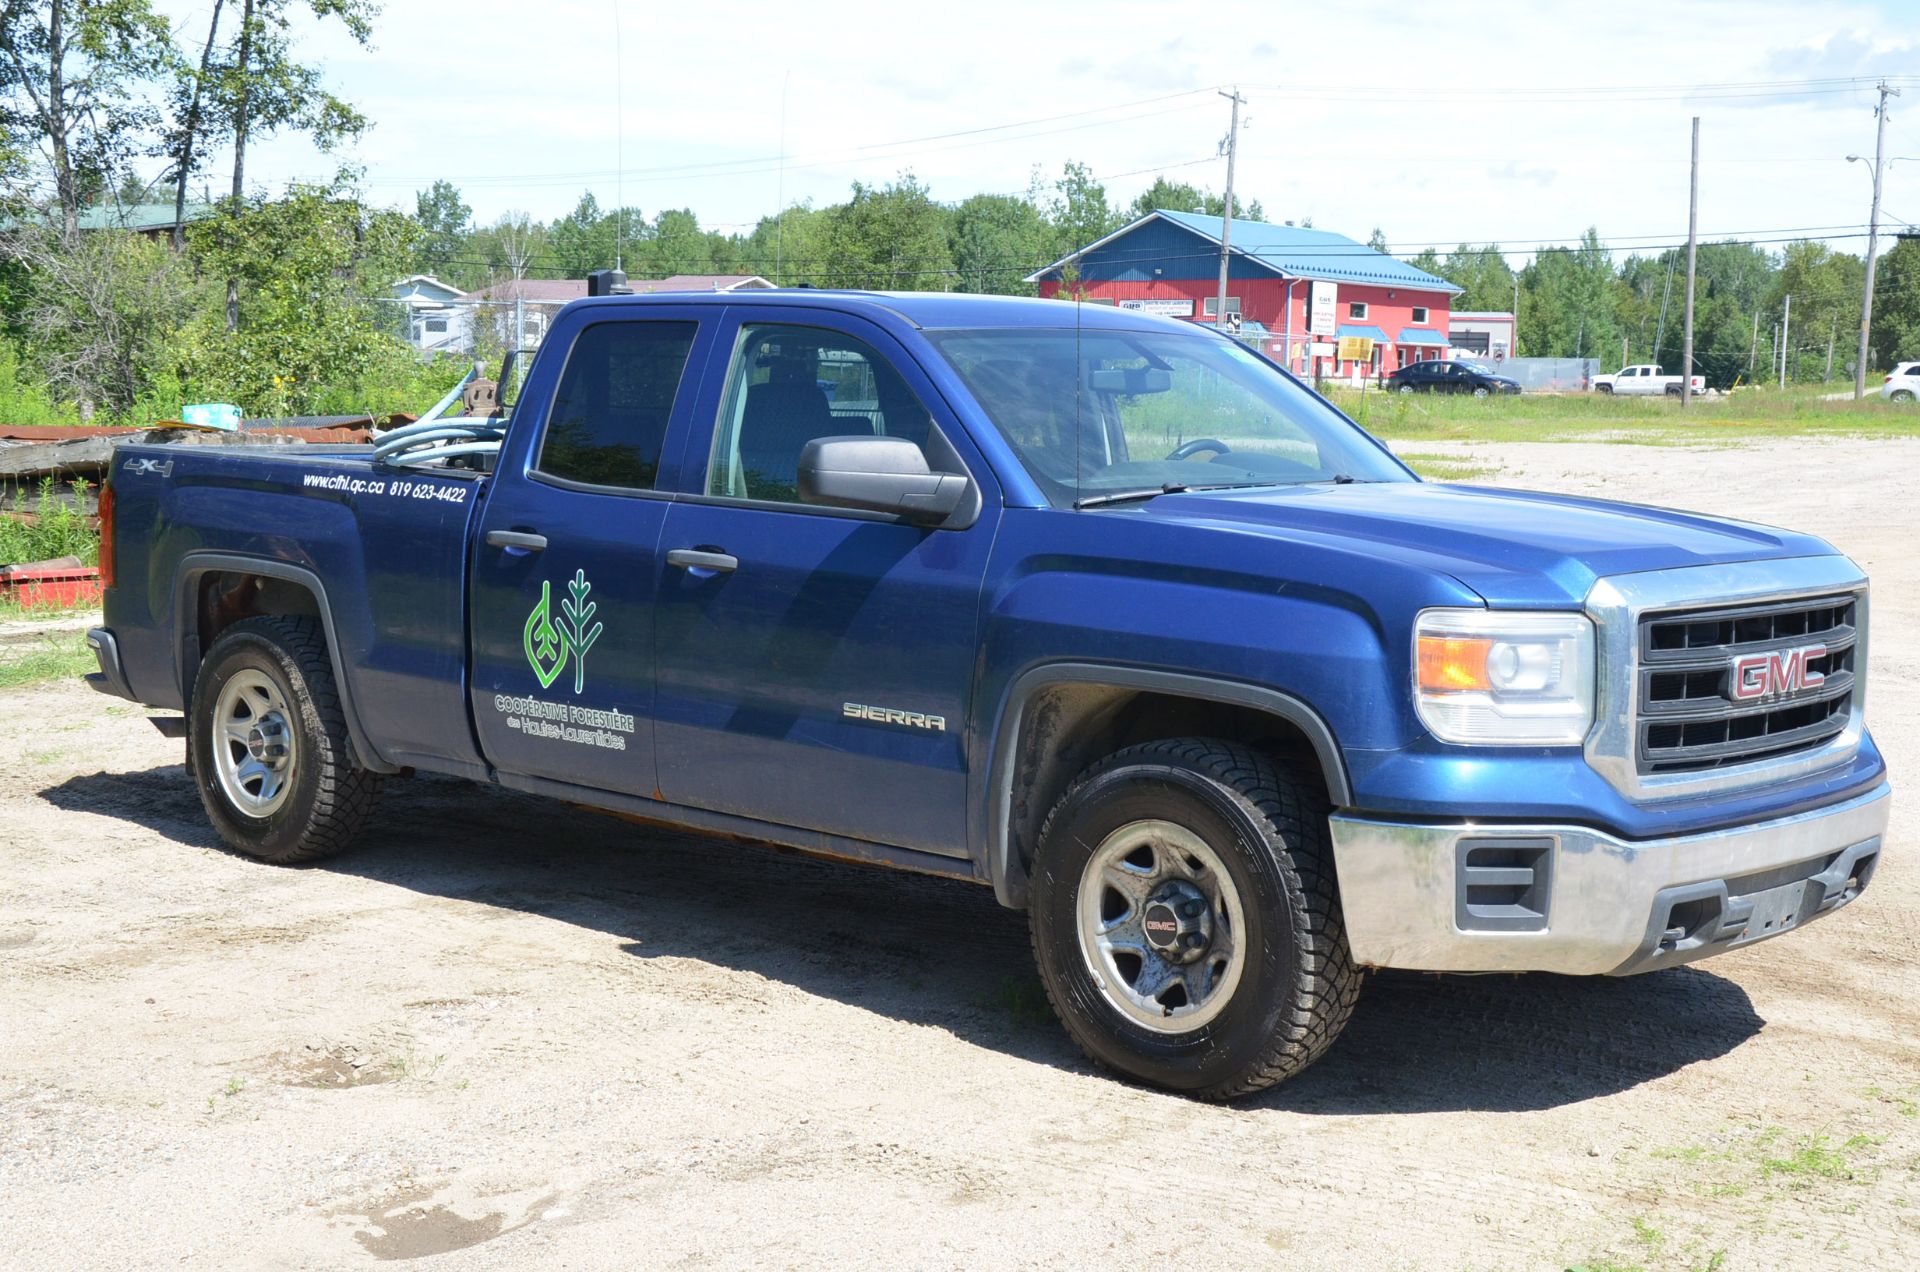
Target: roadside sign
(1356, 349)
(1322, 299)
(1177, 308)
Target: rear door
(816, 664)
(565, 559)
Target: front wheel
(268, 746)
(1186, 920)
(1606, 390)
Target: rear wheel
(268, 747)
(1403, 388)
(1901, 395)
(1480, 390)
(1186, 921)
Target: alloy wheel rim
(255, 746)
(1181, 975)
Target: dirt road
(510, 1034)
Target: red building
(1316, 302)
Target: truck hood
(1515, 548)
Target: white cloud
(1441, 128)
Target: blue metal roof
(1289, 250)
(1421, 336)
(1361, 330)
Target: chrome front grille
(1726, 685)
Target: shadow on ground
(942, 953)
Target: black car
(1450, 377)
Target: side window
(610, 412)
(1357, 309)
(1420, 315)
(791, 384)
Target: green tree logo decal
(549, 645)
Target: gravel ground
(507, 1033)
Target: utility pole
(1753, 349)
(1693, 239)
(1833, 327)
(1226, 210)
(1786, 336)
(1873, 243)
(1515, 351)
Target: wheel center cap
(267, 742)
(1178, 921)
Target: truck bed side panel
(388, 549)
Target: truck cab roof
(926, 310)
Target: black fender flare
(1004, 870)
(186, 612)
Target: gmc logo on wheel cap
(1771, 675)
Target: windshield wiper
(1128, 496)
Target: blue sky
(1518, 124)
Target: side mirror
(878, 474)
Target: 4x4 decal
(549, 645)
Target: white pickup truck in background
(1644, 378)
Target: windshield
(1095, 414)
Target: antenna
(780, 194)
(619, 147)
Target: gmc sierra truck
(1102, 610)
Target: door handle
(703, 561)
(517, 539)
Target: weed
(60, 527)
(1817, 1158)
(52, 657)
(1023, 1000)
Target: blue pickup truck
(1102, 610)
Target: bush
(25, 401)
(62, 528)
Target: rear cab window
(614, 400)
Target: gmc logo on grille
(1783, 671)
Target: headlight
(1490, 678)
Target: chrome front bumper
(1460, 897)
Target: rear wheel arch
(217, 590)
(1057, 719)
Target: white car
(1903, 383)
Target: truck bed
(212, 524)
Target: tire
(1283, 983)
(1403, 388)
(1673, 390)
(1606, 390)
(1480, 391)
(1900, 395)
(270, 679)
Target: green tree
(1484, 274)
(997, 240)
(582, 240)
(675, 244)
(891, 237)
(1378, 241)
(1895, 336)
(1079, 212)
(1179, 196)
(446, 232)
(1567, 302)
(73, 75)
(262, 89)
(305, 267)
(1825, 313)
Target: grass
(1743, 416)
(53, 657)
(1447, 467)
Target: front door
(816, 664)
(564, 566)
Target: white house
(439, 318)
